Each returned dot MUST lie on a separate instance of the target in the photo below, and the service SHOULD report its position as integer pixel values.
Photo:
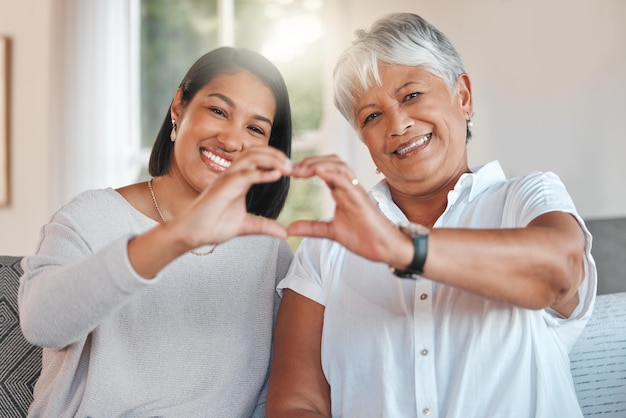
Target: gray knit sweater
(193, 342)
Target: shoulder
(317, 254)
(533, 195)
(546, 178)
(545, 186)
(515, 201)
(100, 211)
(94, 198)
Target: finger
(339, 177)
(317, 229)
(245, 178)
(254, 225)
(315, 159)
(256, 170)
(262, 159)
(334, 172)
(309, 166)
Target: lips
(216, 159)
(405, 148)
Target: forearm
(151, 251)
(531, 267)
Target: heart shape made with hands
(356, 216)
(330, 169)
(357, 222)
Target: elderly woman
(445, 292)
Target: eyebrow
(232, 104)
(406, 84)
(362, 108)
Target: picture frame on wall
(4, 121)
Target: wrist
(419, 236)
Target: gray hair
(397, 39)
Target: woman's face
(229, 114)
(415, 129)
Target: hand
(219, 213)
(357, 223)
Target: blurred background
(89, 82)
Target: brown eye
(411, 96)
(370, 117)
(257, 130)
(217, 111)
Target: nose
(399, 121)
(230, 140)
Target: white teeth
(217, 160)
(414, 145)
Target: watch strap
(419, 234)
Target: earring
(468, 129)
(173, 133)
(377, 170)
(470, 124)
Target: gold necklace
(158, 209)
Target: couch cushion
(608, 249)
(20, 362)
(598, 359)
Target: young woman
(158, 298)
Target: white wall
(548, 83)
(27, 23)
(549, 86)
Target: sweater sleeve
(73, 282)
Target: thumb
(259, 225)
(317, 229)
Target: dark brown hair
(265, 199)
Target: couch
(20, 362)
(598, 360)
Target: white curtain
(95, 97)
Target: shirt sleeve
(569, 329)
(304, 275)
(541, 193)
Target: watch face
(413, 229)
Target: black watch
(419, 234)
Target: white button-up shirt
(396, 347)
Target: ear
(464, 94)
(177, 105)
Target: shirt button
(426, 411)
(424, 352)
(423, 296)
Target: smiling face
(415, 129)
(232, 112)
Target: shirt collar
(480, 178)
(382, 196)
